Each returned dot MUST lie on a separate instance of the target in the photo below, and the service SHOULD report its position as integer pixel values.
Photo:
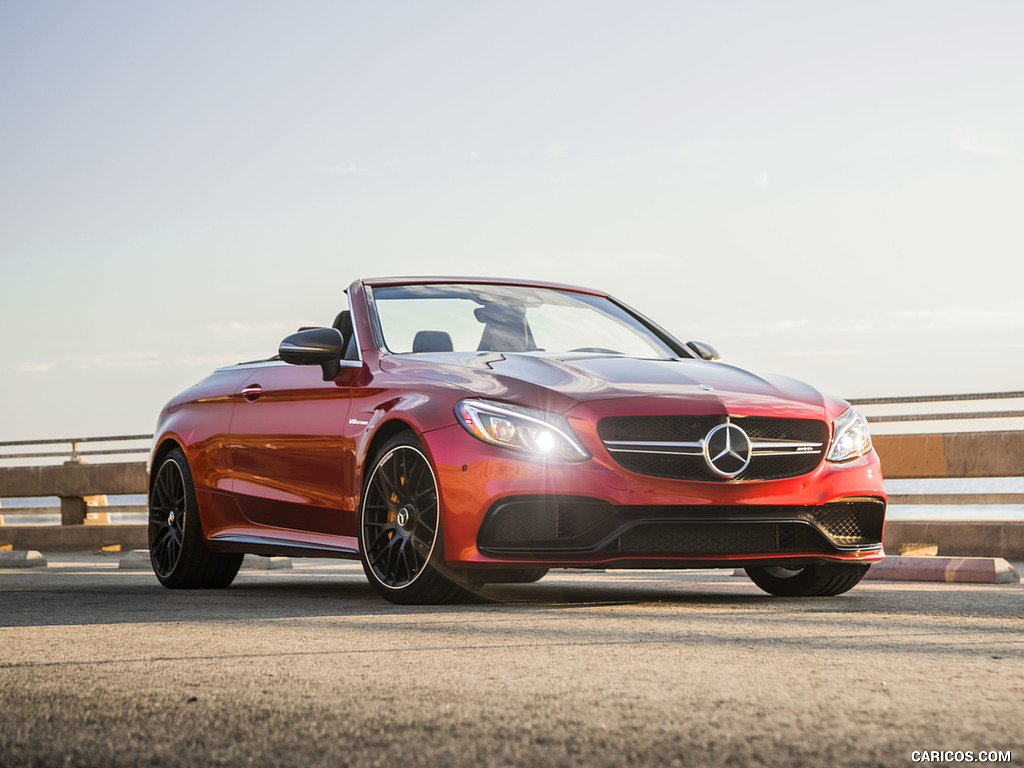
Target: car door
(291, 465)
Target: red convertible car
(450, 432)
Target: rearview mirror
(706, 351)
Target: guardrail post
(72, 510)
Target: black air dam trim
(574, 526)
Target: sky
(830, 191)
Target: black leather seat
(432, 341)
(343, 322)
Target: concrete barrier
(963, 570)
(958, 538)
(21, 559)
(74, 537)
(72, 482)
(952, 454)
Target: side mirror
(314, 346)
(706, 351)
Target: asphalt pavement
(308, 667)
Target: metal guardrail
(954, 416)
(75, 454)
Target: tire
(177, 550)
(821, 580)
(400, 540)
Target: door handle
(252, 392)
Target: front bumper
(500, 508)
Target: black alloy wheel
(820, 580)
(177, 551)
(400, 527)
(166, 519)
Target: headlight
(546, 435)
(850, 436)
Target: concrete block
(919, 550)
(963, 570)
(135, 560)
(21, 558)
(261, 563)
(138, 559)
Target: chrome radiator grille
(675, 446)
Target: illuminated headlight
(546, 435)
(850, 436)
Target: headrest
(432, 341)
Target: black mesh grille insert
(695, 428)
(656, 427)
(745, 538)
(544, 523)
(850, 523)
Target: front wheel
(400, 542)
(820, 580)
(176, 548)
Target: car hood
(561, 382)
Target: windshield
(505, 318)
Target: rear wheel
(819, 580)
(400, 542)
(176, 548)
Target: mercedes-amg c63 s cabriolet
(451, 432)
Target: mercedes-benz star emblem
(727, 450)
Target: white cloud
(122, 360)
(214, 360)
(22, 367)
(977, 141)
(823, 353)
(698, 153)
(244, 332)
(909, 320)
(87, 362)
(345, 170)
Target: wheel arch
(385, 432)
(167, 444)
